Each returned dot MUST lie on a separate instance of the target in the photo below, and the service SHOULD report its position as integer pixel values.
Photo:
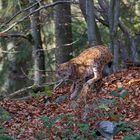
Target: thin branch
(58, 83)
(77, 40)
(2, 34)
(21, 99)
(31, 13)
(21, 91)
(26, 75)
(7, 52)
(106, 22)
(121, 26)
(103, 5)
(124, 30)
(102, 21)
(19, 12)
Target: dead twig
(27, 89)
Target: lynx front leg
(87, 85)
(72, 87)
(75, 89)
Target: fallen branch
(27, 89)
(19, 92)
(21, 99)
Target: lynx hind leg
(87, 85)
(72, 87)
(75, 89)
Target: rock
(60, 99)
(107, 129)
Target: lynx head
(64, 71)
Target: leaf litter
(106, 103)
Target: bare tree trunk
(133, 49)
(132, 42)
(87, 8)
(131, 39)
(113, 14)
(15, 58)
(123, 51)
(91, 23)
(39, 57)
(63, 32)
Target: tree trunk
(63, 32)
(123, 52)
(113, 17)
(87, 8)
(132, 40)
(133, 47)
(38, 53)
(15, 57)
(16, 67)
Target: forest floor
(117, 100)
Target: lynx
(85, 69)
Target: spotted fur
(85, 69)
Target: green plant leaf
(124, 94)
(103, 106)
(119, 93)
(35, 95)
(54, 120)
(120, 89)
(83, 127)
(114, 93)
(50, 122)
(132, 137)
(46, 122)
(48, 91)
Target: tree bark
(63, 32)
(132, 40)
(87, 8)
(113, 17)
(38, 53)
